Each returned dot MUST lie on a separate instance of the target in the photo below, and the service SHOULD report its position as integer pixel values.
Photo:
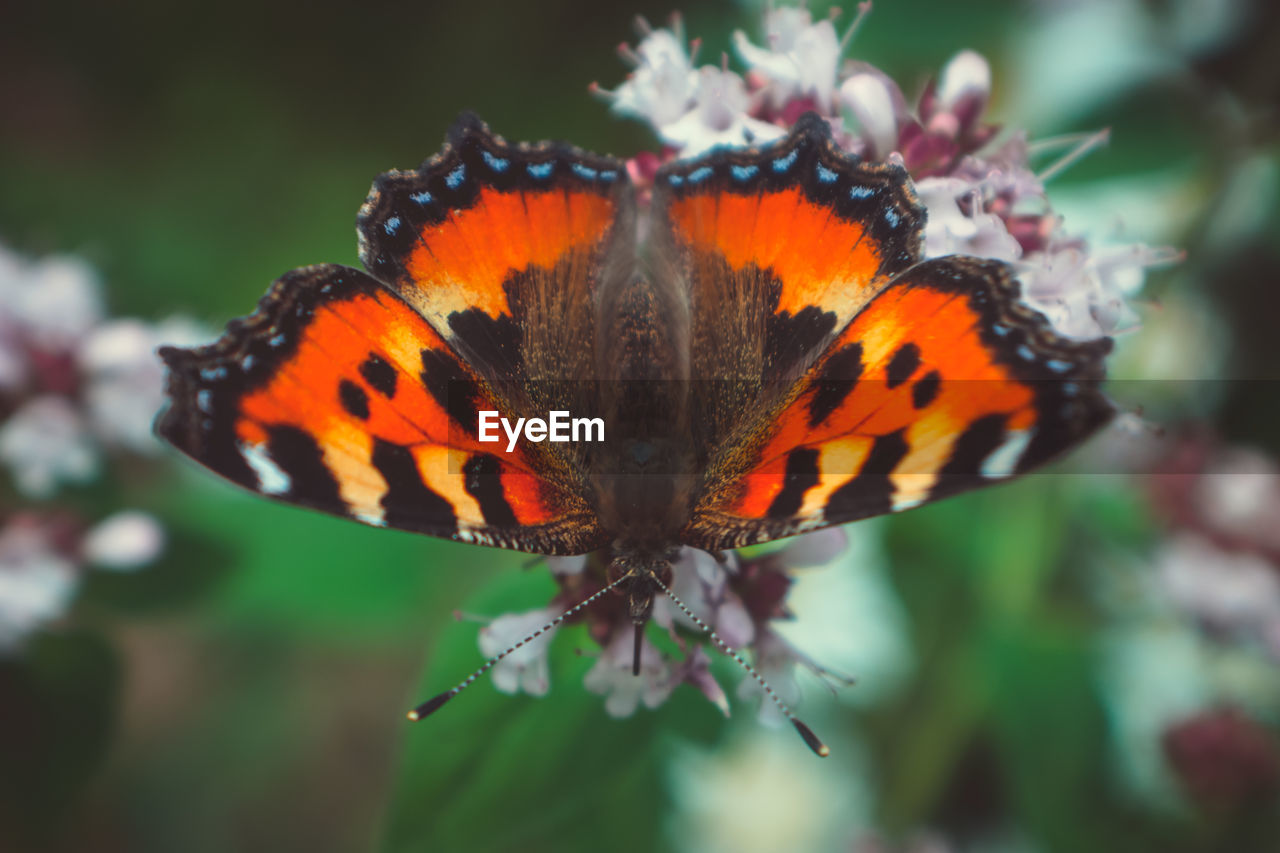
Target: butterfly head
(643, 571)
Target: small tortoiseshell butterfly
(767, 350)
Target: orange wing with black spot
(944, 382)
(839, 377)
(779, 247)
(500, 248)
(338, 396)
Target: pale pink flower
(526, 668)
(37, 580)
(799, 59)
(123, 541)
(879, 113)
(661, 87)
(45, 443)
(76, 385)
(720, 116)
(612, 677)
(1085, 294)
(702, 584)
(950, 230)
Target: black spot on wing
(353, 399)
(964, 467)
(494, 342)
(871, 491)
(801, 475)
(483, 483)
(904, 363)
(380, 375)
(451, 387)
(310, 480)
(839, 374)
(925, 391)
(409, 502)
(789, 338)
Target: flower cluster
(975, 179)
(1221, 562)
(75, 387)
(740, 597)
(1193, 661)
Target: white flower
(964, 86)
(123, 541)
(775, 660)
(719, 117)
(873, 100)
(79, 380)
(951, 231)
(1083, 293)
(801, 58)
(47, 442)
(612, 678)
(696, 670)
(701, 583)
(1238, 591)
(125, 378)
(53, 302)
(36, 582)
(661, 88)
(526, 668)
(1239, 495)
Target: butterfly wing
(880, 383)
(336, 395)
(943, 383)
(779, 248)
(484, 264)
(501, 247)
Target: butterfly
(758, 332)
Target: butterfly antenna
(819, 748)
(433, 704)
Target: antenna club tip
(819, 748)
(431, 705)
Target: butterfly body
(765, 346)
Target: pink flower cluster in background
(76, 388)
(975, 178)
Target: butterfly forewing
(336, 395)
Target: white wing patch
(1003, 461)
(272, 480)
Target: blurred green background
(248, 692)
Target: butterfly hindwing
(943, 382)
(336, 395)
